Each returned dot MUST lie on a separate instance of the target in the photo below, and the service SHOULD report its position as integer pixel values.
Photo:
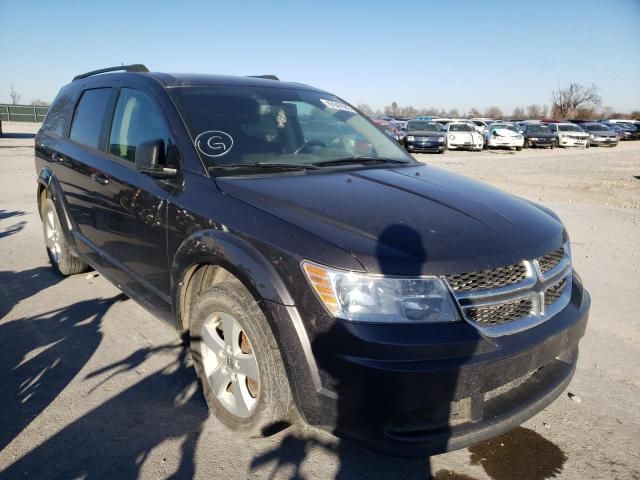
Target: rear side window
(88, 119)
(59, 115)
(136, 120)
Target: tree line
(576, 101)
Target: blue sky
(458, 54)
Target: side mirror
(150, 159)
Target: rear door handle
(57, 158)
(100, 178)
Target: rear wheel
(237, 360)
(58, 251)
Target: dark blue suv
(323, 274)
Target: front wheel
(518, 149)
(58, 251)
(237, 360)
(554, 144)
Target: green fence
(22, 113)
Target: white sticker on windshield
(337, 105)
(214, 143)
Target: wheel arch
(212, 256)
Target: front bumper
(427, 389)
(504, 143)
(540, 142)
(606, 141)
(572, 142)
(424, 146)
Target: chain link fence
(22, 113)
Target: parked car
(623, 132)
(424, 136)
(538, 135)
(503, 135)
(569, 134)
(337, 282)
(482, 124)
(461, 135)
(600, 134)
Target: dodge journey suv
(321, 273)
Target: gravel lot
(93, 386)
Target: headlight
(452, 137)
(441, 139)
(591, 135)
(410, 138)
(376, 298)
(535, 139)
(519, 137)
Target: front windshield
(251, 125)
(569, 128)
(538, 129)
(513, 128)
(423, 126)
(460, 127)
(595, 128)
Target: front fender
(237, 256)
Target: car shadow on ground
(42, 354)
(114, 439)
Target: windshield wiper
(265, 166)
(357, 160)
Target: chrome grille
(510, 299)
(495, 278)
(501, 313)
(550, 260)
(554, 292)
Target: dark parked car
(539, 135)
(624, 130)
(600, 134)
(333, 280)
(424, 136)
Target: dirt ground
(94, 387)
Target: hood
(505, 132)
(602, 133)
(426, 133)
(405, 221)
(540, 135)
(575, 134)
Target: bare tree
(567, 101)
(39, 103)
(473, 113)
(534, 111)
(607, 112)
(366, 109)
(493, 112)
(15, 96)
(453, 113)
(518, 113)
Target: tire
(525, 144)
(58, 251)
(267, 400)
(518, 149)
(554, 144)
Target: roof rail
(136, 67)
(268, 77)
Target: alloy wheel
(52, 236)
(230, 364)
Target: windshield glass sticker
(337, 105)
(214, 143)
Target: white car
(504, 135)
(570, 135)
(463, 135)
(482, 124)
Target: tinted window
(460, 127)
(87, 121)
(59, 115)
(135, 121)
